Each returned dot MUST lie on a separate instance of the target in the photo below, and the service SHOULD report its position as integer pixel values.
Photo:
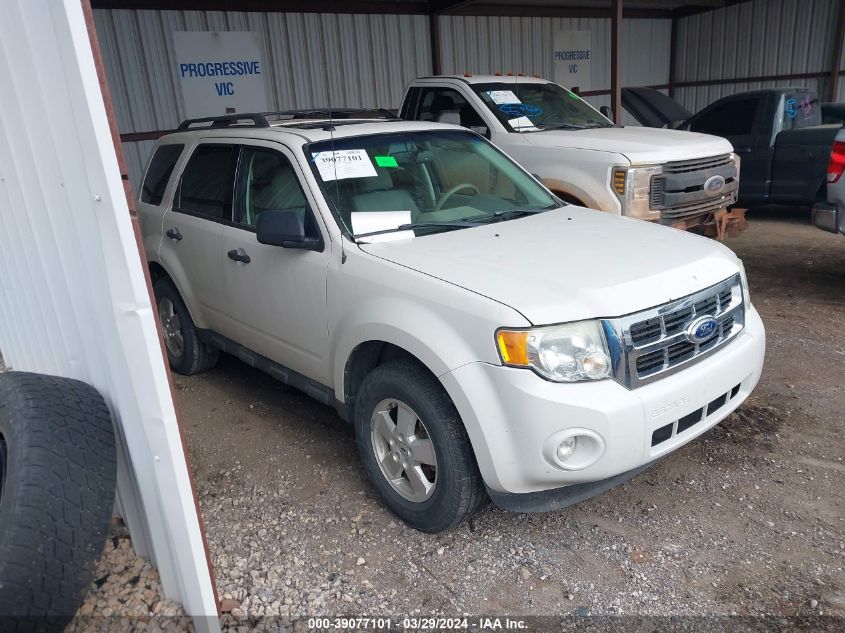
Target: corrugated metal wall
(73, 297)
(489, 44)
(314, 60)
(751, 39)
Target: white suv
(485, 338)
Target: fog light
(573, 449)
(566, 448)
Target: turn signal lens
(513, 347)
(619, 181)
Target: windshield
(434, 180)
(530, 107)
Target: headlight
(746, 295)
(633, 186)
(562, 353)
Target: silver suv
(485, 339)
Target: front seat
(283, 192)
(377, 194)
(444, 110)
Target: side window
(268, 182)
(158, 173)
(207, 182)
(445, 105)
(409, 106)
(734, 118)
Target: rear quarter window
(158, 173)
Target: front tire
(186, 353)
(415, 448)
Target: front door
(276, 296)
(739, 121)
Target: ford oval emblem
(714, 184)
(702, 329)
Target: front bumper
(513, 416)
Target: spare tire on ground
(57, 487)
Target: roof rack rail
(259, 119)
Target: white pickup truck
(682, 179)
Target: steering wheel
(453, 191)
(553, 115)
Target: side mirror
(481, 129)
(607, 112)
(285, 229)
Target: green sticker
(386, 161)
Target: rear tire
(404, 420)
(186, 352)
(58, 490)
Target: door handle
(239, 257)
(742, 150)
(174, 234)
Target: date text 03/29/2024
(419, 623)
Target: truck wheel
(57, 491)
(186, 353)
(415, 449)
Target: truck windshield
(422, 181)
(532, 107)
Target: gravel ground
(126, 594)
(748, 519)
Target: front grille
(678, 190)
(698, 208)
(697, 164)
(654, 343)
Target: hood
(640, 145)
(568, 264)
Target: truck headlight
(633, 186)
(561, 353)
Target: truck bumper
(826, 217)
(515, 420)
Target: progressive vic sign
(220, 72)
(573, 59)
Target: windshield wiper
(420, 225)
(571, 126)
(508, 214)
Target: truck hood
(640, 145)
(568, 264)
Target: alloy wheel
(404, 450)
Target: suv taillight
(837, 161)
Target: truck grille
(678, 191)
(652, 344)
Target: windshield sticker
(522, 124)
(520, 109)
(372, 221)
(790, 108)
(807, 107)
(501, 97)
(344, 163)
(386, 161)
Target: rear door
(802, 149)
(740, 120)
(191, 250)
(276, 296)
